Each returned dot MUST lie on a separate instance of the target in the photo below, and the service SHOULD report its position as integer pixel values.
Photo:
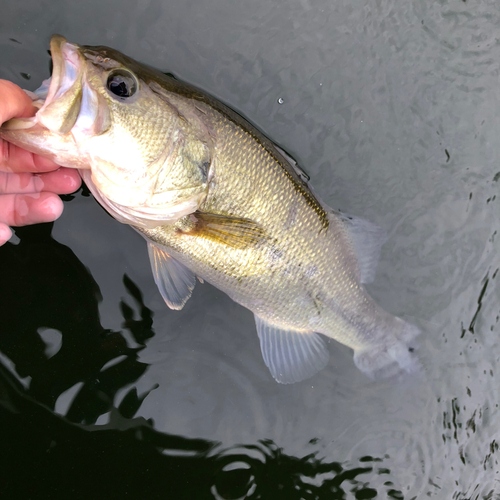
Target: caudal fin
(394, 357)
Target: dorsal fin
(367, 239)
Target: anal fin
(175, 281)
(291, 355)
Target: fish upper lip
(56, 44)
(63, 58)
(64, 67)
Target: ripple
(246, 472)
(202, 390)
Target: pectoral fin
(175, 281)
(291, 355)
(236, 232)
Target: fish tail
(394, 357)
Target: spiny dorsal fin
(300, 171)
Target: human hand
(29, 183)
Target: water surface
(392, 108)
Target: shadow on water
(51, 341)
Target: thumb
(14, 103)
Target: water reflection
(45, 454)
(51, 330)
(59, 376)
(264, 471)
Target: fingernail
(52, 208)
(75, 182)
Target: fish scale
(265, 194)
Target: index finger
(16, 159)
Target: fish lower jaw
(26, 122)
(19, 124)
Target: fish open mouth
(69, 127)
(59, 97)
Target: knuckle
(20, 211)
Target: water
(392, 109)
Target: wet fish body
(215, 199)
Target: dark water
(392, 108)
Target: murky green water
(393, 110)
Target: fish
(218, 201)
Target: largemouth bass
(217, 200)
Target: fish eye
(122, 83)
